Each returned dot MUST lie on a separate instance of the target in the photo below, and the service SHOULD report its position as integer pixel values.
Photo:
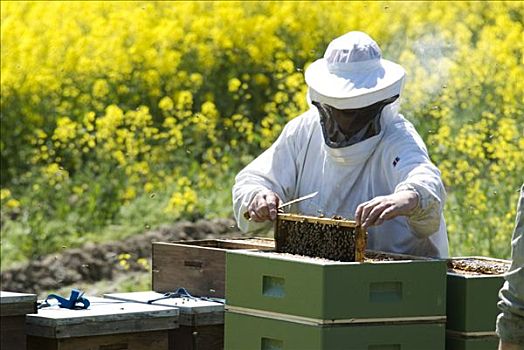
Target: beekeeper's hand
(375, 211)
(264, 206)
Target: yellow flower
(100, 88)
(201, 87)
(185, 100)
(143, 262)
(54, 173)
(234, 84)
(166, 104)
(129, 194)
(148, 187)
(13, 203)
(66, 130)
(4, 194)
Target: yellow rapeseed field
(118, 116)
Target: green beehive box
(457, 342)
(472, 298)
(326, 291)
(246, 332)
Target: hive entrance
(334, 239)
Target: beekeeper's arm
(419, 193)
(510, 323)
(265, 182)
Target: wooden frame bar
(359, 233)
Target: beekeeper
(510, 322)
(365, 160)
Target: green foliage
(118, 116)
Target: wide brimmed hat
(353, 74)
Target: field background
(118, 117)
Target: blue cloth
(76, 300)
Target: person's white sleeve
(274, 170)
(413, 170)
(510, 323)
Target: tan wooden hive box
(198, 266)
(105, 325)
(13, 308)
(201, 321)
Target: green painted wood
(247, 332)
(252, 281)
(472, 343)
(393, 289)
(244, 332)
(472, 302)
(328, 290)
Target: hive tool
(286, 204)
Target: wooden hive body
(13, 308)
(199, 266)
(201, 321)
(106, 324)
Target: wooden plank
(460, 342)
(199, 338)
(126, 341)
(192, 312)
(317, 220)
(234, 243)
(201, 321)
(13, 304)
(361, 244)
(198, 266)
(18, 309)
(200, 270)
(13, 308)
(12, 332)
(104, 316)
(327, 322)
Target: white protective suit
(299, 162)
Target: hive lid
(185, 305)
(15, 304)
(104, 316)
(192, 311)
(12, 297)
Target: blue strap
(75, 298)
